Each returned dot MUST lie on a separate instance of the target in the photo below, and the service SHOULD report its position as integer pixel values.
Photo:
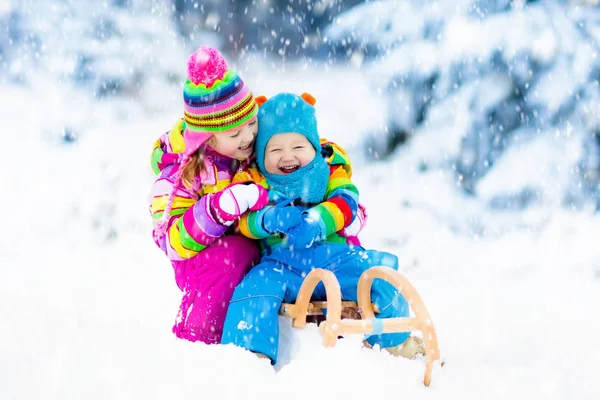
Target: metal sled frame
(335, 326)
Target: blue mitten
(281, 219)
(306, 233)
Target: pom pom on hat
(205, 66)
(309, 98)
(260, 100)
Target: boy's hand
(230, 203)
(281, 219)
(305, 234)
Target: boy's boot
(411, 347)
(261, 356)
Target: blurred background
(491, 79)
(473, 126)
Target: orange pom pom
(309, 98)
(260, 100)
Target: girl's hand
(233, 201)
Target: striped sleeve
(191, 227)
(250, 175)
(341, 204)
(251, 224)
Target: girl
(193, 201)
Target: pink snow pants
(208, 281)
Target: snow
(87, 301)
(88, 315)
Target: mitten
(258, 201)
(307, 232)
(281, 219)
(230, 203)
(357, 225)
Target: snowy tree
(520, 70)
(113, 49)
(277, 27)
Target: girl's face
(238, 144)
(288, 152)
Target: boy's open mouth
(289, 169)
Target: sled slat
(316, 308)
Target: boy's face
(238, 144)
(288, 152)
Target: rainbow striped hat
(215, 98)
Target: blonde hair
(195, 165)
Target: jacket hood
(336, 155)
(167, 149)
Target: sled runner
(360, 317)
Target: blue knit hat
(286, 112)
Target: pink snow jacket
(191, 227)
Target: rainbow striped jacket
(336, 212)
(191, 227)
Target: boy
(311, 201)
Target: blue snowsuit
(252, 318)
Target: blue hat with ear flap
(285, 113)
(282, 113)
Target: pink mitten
(230, 203)
(260, 201)
(358, 224)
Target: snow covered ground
(87, 301)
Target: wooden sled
(334, 325)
